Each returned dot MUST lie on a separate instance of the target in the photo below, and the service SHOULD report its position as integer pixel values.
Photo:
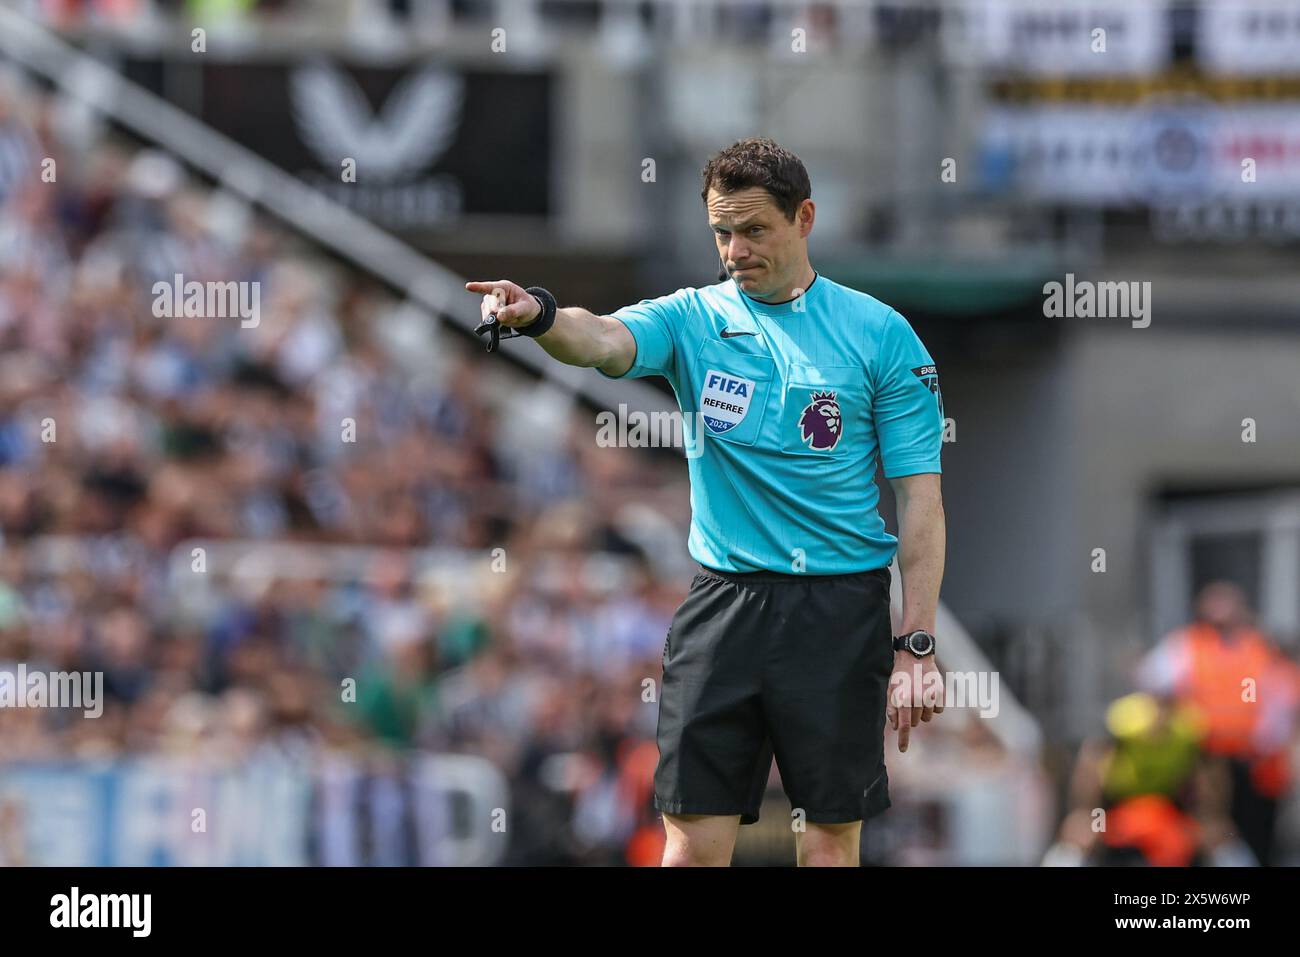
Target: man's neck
(787, 291)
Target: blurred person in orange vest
(1246, 693)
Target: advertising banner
(406, 146)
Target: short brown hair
(759, 162)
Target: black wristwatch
(919, 643)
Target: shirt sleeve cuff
(635, 355)
(901, 469)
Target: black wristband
(542, 324)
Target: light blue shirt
(791, 406)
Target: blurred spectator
(1245, 692)
(1145, 794)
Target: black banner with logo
(413, 147)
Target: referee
(783, 646)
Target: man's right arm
(582, 338)
(577, 338)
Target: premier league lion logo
(820, 422)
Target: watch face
(920, 642)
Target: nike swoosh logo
(732, 335)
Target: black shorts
(764, 664)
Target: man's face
(763, 251)
(1223, 605)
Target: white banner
(1148, 154)
(266, 811)
(1249, 36)
(1092, 37)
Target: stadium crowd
(126, 438)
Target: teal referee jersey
(793, 406)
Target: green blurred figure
(1146, 795)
